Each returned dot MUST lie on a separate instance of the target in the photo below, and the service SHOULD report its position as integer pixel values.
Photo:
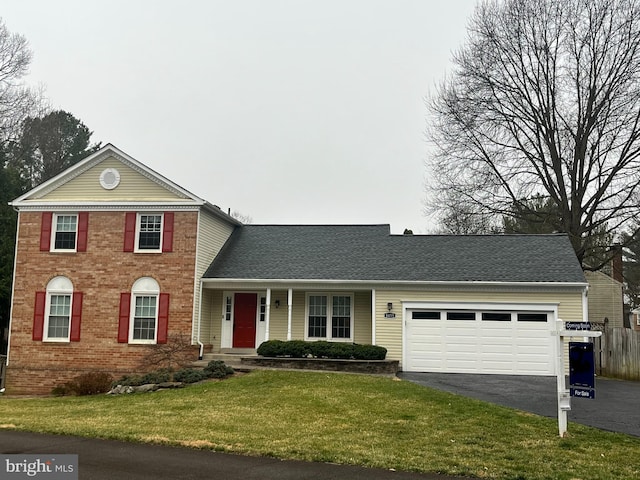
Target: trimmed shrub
(272, 348)
(189, 375)
(369, 352)
(157, 376)
(90, 383)
(217, 369)
(129, 380)
(297, 349)
(341, 350)
(321, 349)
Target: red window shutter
(129, 231)
(83, 227)
(45, 231)
(76, 317)
(163, 318)
(123, 322)
(167, 234)
(38, 315)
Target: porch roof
(371, 253)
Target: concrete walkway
(615, 407)
(108, 460)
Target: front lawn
(351, 419)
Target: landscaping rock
(148, 387)
(171, 385)
(120, 389)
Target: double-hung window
(65, 232)
(149, 235)
(57, 312)
(144, 313)
(148, 232)
(144, 317)
(329, 317)
(59, 317)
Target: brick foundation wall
(102, 273)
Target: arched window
(58, 312)
(144, 313)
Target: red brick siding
(101, 273)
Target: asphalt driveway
(615, 407)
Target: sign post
(572, 330)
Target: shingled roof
(370, 253)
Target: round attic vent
(109, 178)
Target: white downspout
(289, 307)
(200, 322)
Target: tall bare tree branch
(544, 100)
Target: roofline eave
(402, 283)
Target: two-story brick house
(105, 252)
(112, 257)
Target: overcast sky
(292, 111)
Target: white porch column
(267, 315)
(373, 316)
(289, 309)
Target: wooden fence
(617, 353)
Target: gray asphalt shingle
(369, 252)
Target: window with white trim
(64, 232)
(149, 232)
(263, 308)
(144, 311)
(329, 317)
(57, 320)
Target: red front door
(244, 320)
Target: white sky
(293, 111)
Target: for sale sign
(581, 370)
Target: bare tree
(177, 352)
(544, 100)
(17, 101)
(241, 217)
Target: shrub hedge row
(321, 349)
(214, 369)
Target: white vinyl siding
(134, 186)
(212, 235)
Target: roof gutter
(415, 283)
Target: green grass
(349, 419)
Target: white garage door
(458, 340)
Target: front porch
(233, 319)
